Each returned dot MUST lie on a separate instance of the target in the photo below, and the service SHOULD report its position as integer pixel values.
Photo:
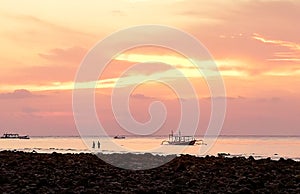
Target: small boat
(14, 136)
(119, 137)
(180, 140)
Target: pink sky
(256, 45)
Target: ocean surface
(256, 146)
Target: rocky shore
(85, 173)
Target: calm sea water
(259, 147)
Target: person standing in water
(99, 145)
(93, 145)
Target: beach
(85, 173)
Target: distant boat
(119, 137)
(180, 140)
(14, 136)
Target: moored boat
(14, 136)
(119, 137)
(180, 140)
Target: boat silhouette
(14, 136)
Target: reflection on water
(259, 147)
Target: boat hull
(182, 143)
(14, 136)
(119, 137)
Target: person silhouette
(99, 144)
(93, 145)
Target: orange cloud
(18, 94)
(73, 55)
(254, 43)
(292, 55)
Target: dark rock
(251, 158)
(181, 181)
(86, 173)
(244, 190)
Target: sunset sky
(255, 44)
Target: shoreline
(86, 173)
(274, 157)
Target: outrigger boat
(119, 137)
(181, 140)
(14, 136)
